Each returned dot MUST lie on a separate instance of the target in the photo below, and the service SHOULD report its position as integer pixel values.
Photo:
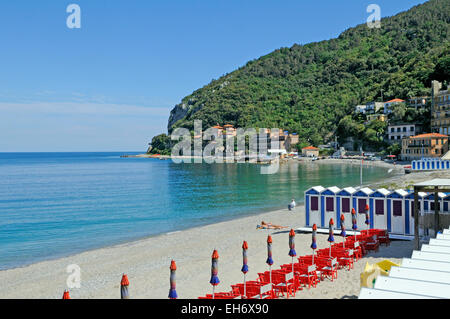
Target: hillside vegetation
(310, 88)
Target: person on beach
(265, 225)
(292, 205)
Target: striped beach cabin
(428, 204)
(344, 200)
(430, 164)
(378, 208)
(360, 200)
(313, 206)
(396, 211)
(331, 209)
(409, 211)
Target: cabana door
(314, 216)
(330, 210)
(361, 217)
(397, 217)
(380, 215)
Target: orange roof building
(424, 145)
(310, 151)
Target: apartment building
(440, 109)
(399, 131)
(424, 145)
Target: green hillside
(309, 88)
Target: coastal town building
(369, 108)
(440, 110)
(310, 151)
(430, 145)
(360, 109)
(388, 105)
(399, 131)
(373, 117)
(374, 107)
(419, 102)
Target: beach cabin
(396, 211)
(409, 211)
(313, 206)
(344, 202)
(378, 208)
(331, 208)
(360, 200)
(428, 204)
(446, 200)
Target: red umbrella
(343, 233)
(245, 266)
(292, 252)
(173, 282)
(124, 294)
(66, 294)
(366, 212)
(314, 240)
(330, 231)
(269, 260)
(214, 270)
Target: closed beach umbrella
(66, 294)
(269, 260)
(330, 232)
(354, 222)
(343, 233)
(314, 240)
(214, 270)
(366, 212)
(244, 266)
(124, 294)
(173, 282)
(292, 252)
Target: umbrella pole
(313, 258)
(330, 249)
(213, 293)
(245, 288)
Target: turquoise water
(57, 204)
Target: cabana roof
(315, 190)
(399, 193)
(381, 191)
(365, 191)
(421, 194)
(431, 195)
(334, 189)
(348, 191)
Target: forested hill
(308, 88)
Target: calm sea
(58, 204)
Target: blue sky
(110, 85)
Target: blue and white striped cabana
(378, 208)
(313, 206)
(360, 200)
(428, 205)
(345, 203)
(409, 211)
(446, 200)
(396, 211)
(331, 207)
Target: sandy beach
(147, 261)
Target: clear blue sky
(111, 84)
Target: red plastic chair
(283, 284)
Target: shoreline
(255, 213)
(147, 260)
